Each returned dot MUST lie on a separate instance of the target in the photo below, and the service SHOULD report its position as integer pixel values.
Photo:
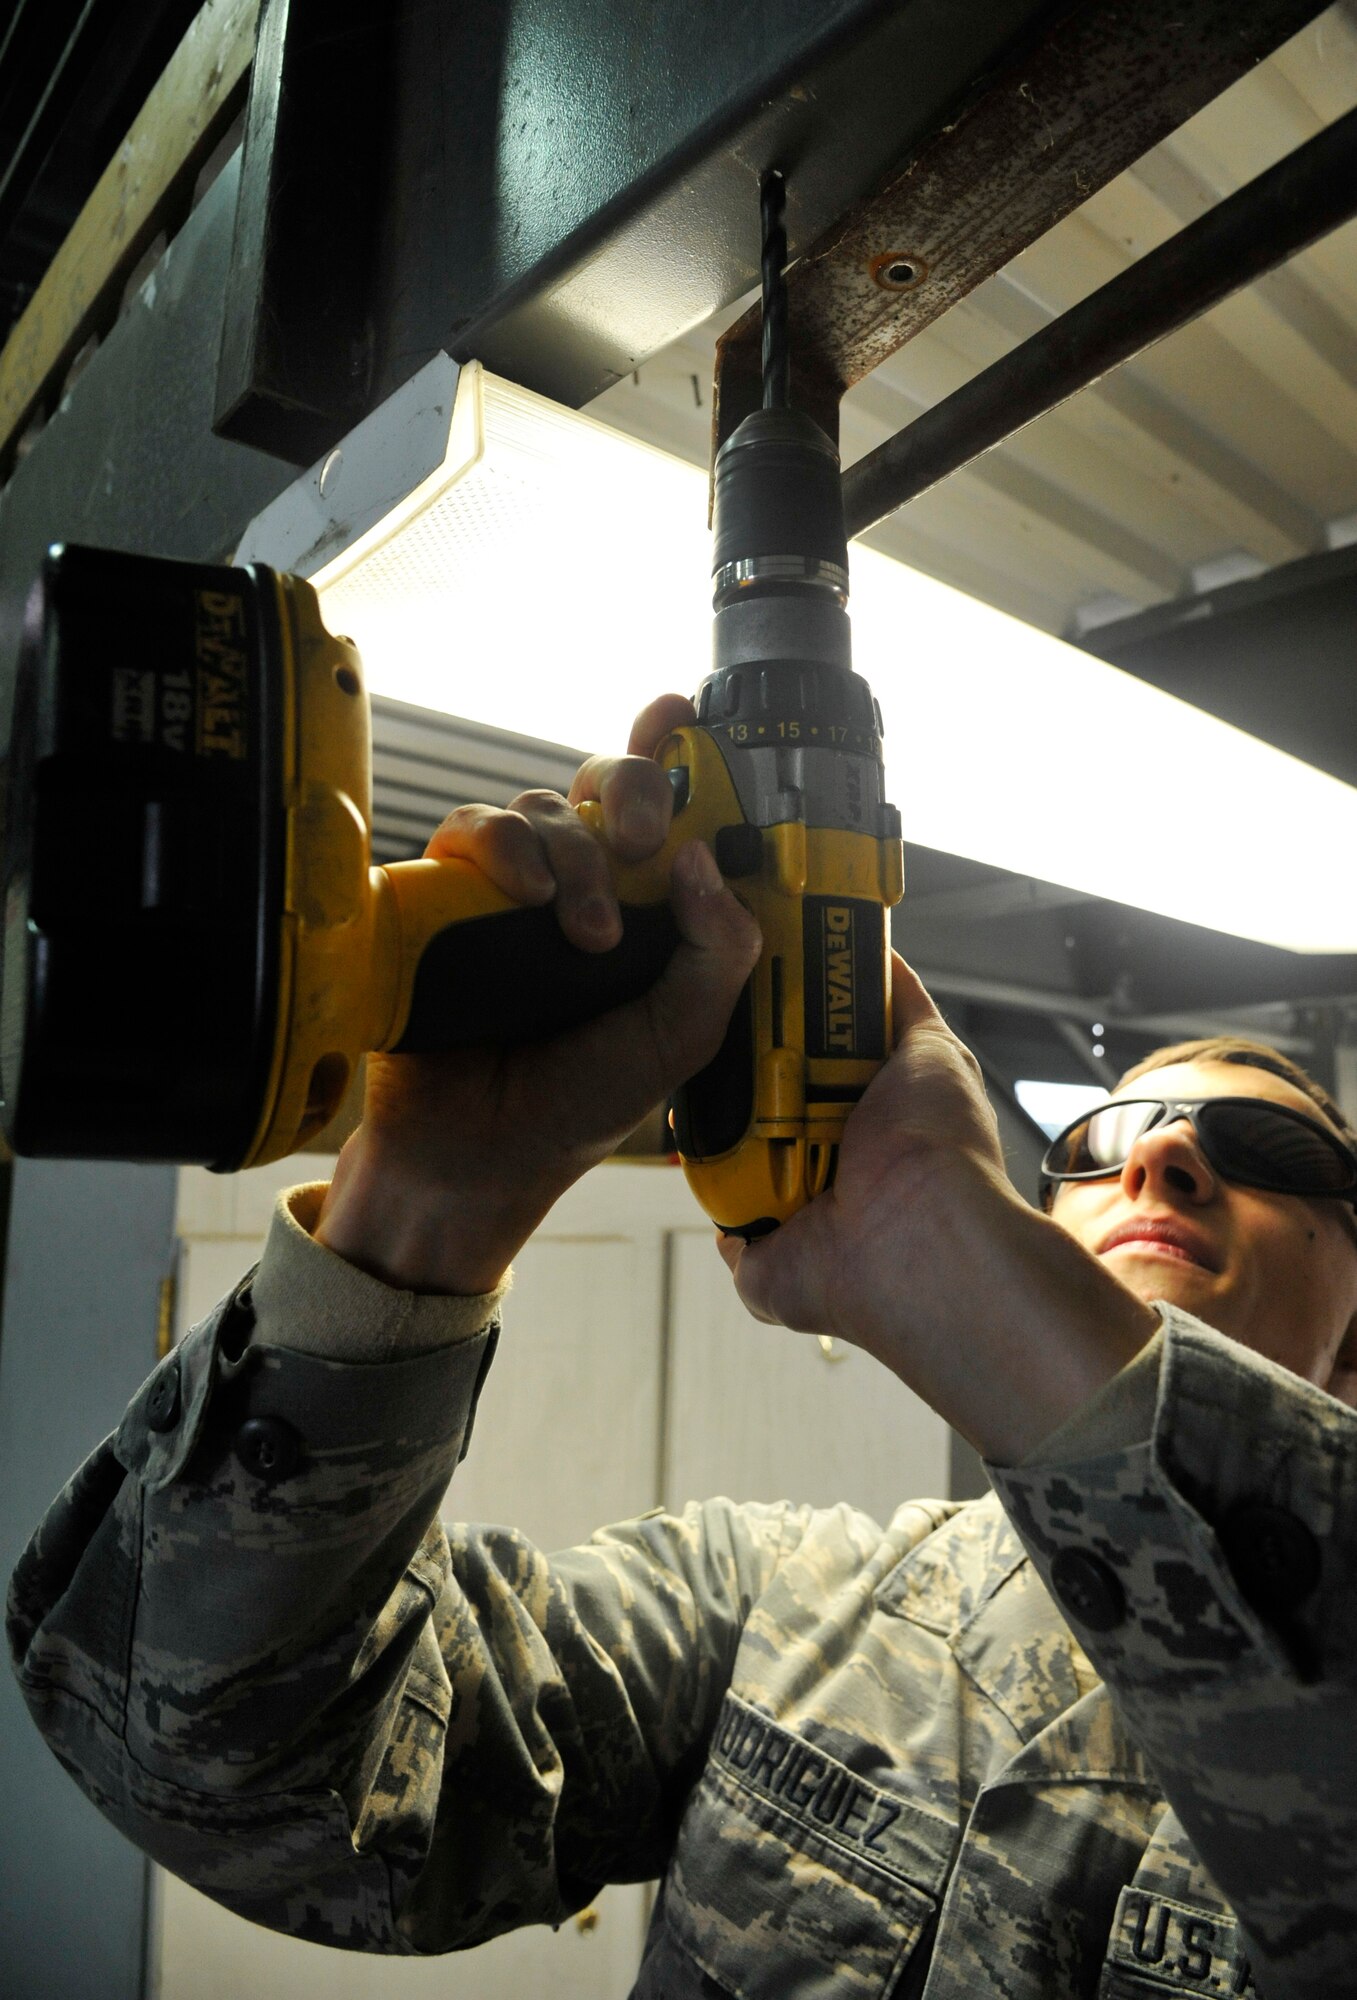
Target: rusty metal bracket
(1066, 113)
(1307, 194)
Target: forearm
(1070, 1327)
(1056, 1328)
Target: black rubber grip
(516, 977)
(712, 1111)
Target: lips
(1163, 1237)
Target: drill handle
(468, 965)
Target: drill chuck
(800, 730)
(777, 510)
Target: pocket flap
(792, 1874)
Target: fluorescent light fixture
(519, 564)
(1053, 1106)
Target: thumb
(911, 1003)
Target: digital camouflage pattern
(866, 1761)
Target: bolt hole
(347, 679)
(897, 270)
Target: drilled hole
(898, 270)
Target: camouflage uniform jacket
(865, 1761)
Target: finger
(502, 845)
(729, 1249)
(586, 903)
(710, 917)
(657, 720)
(690, 1004)
(911, 1004)
(637, 801)
(733, 1253)
(777, 1277)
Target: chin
(1181, 1284)
(1192, 1288)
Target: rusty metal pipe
(1302, 198)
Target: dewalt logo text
(842, 940)
(840, 986)
(222, 681)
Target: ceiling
(1228, 449)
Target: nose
(1167, 1161)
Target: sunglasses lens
(1100, 1142)
(1254, 1142)
(1245, 1140)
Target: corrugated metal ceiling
(1227, 449)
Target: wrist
(385, 1215)
(1073, 1328)
(1024, 1332)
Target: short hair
(1248, 1055)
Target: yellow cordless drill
(197, 949)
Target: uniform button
(268, 1447)
(162, 1405)
(1273, 1557)
(1088, 1590)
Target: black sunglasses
(1248, 1140)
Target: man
(1094, 1736)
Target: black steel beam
(1302, 198)
(295, 371)
(557, 188)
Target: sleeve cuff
(1218, 1545)
(310, 1300)
(1119, 1416)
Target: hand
(923, 1253)
(459, 1156)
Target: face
(1274, 1271)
